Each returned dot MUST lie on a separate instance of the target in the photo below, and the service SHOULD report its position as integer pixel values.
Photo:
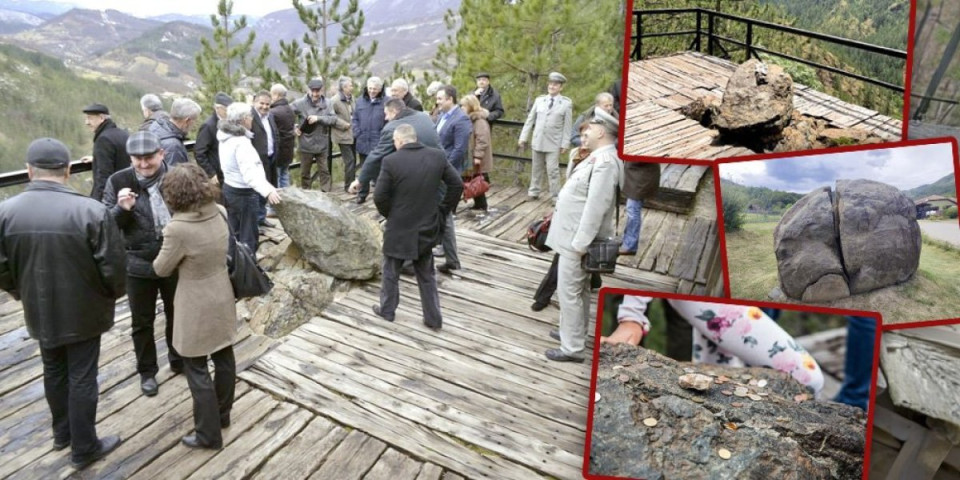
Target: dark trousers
(142, 296)
(480, 201)
(679, 335)
(242, 206)
(70, 385)
(364, 186)
(549, 283)
(426, 282)
(212, 400)
(348, 153)
(322, 175)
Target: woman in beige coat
(205, 323)
(480, 144)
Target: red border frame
(627, 32)
(806, 308)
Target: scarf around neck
(161, 215)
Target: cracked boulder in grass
(334, 240)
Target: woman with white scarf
(243, 175)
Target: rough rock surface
(879, 234)
(332, 239)
(755, 102)
(781, 435)
(807, 249)
(299, 293)
(863, 237)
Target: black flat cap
(222, 99)
(48, 153)
(97, 108)
(482, 74)
(315, 84)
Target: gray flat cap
(556, 77)
(315, 84)
(143, 143)
(607, 121)
(48, 153)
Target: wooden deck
(349, 395)
(658, 87)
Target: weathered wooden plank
(306, 451)
(256, 445)
(691, 247)
(394, 465)
(430, 472)
(921, 375)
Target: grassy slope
(932, 294)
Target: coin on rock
(650, 422)
(724, 453)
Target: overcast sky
(257, 8)
(902, 167)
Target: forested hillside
(760, 199)
(45, 99)
(879, 22)
(946, 186)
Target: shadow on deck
(348, 395)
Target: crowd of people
(156, 224)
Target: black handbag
(537, 233)
(247, 278)
(602, 253)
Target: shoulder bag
(247, 278)
(601, 256)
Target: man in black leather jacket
(133, 197)
(61, 254)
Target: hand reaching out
(626, 332)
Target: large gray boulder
(807, 249)
(879, 234)
(863, 237)
(645, 425)
(758, 100)
(333, 240)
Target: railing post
(698, 30)
(639, 48)
(749, 40)
(710, 19)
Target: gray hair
(342, 81)
(401, 84)
(603, 96)
(434, 86)
(237, 112)
(375, 81)
(151, 102)
(278, 89)
(405, 133)
(184, 108)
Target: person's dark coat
(641, 180)
(286, 120)
(406, 194)
(171, 140)
(368, 120)
(142, 243)
(109, 155)
(455, 137)
(490, 99)
(317, 140)
(205, 148)
(411, 102)
(61, 254)
(259, 142)
(147, 122)
(426, 136)
(615, 91)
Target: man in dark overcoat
(406, 195)
(109, 147)
(61, 254)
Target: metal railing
(19, 177)
(715, 41)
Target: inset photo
(936, 71)
(711, 80)
(873, 229)
(916, 429)
(686, 388)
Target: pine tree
(223, 63)
(520, 42)
(316, 56)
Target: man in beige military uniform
(549, 120)
(585, 212)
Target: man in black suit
(265, 141)
(206, 149)
(406, 194)
(109, 147)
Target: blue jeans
(631, 232)
(283, 176)
(242, 206)
(858, 365)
